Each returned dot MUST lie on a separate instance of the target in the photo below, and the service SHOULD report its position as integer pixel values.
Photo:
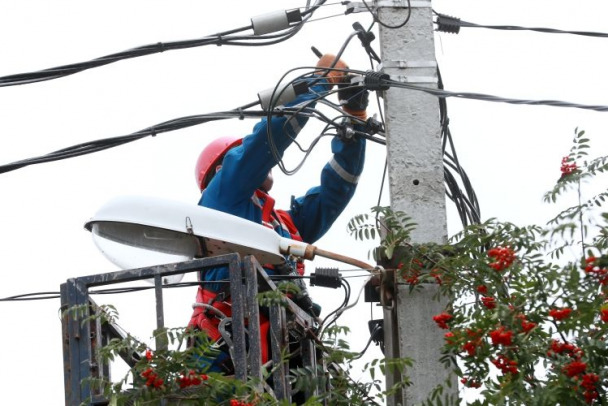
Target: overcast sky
(511, 153)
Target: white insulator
(270, 22)
(281, 96)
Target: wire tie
(220, 40)
(241, 115)
(161, 47)
(153, 131)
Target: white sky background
(511, 153)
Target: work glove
(353, 99)
(334, 77)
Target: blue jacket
(245, 167)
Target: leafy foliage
(394, 228)
(527, 327)
(175, 375)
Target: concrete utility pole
(415, 164)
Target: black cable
(56, 295)
(452, 25)
(497, 99)
(66, 70)
(31, 296)
(106, 143)
(109, 291)
(466, 202)
(222, 38)
(100, 145)
(337, 312)
(377, 329)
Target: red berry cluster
(565, 348)
(475, 340)
(604, 314)
(152, 379)
(503, 258)
(526, 325)
(489, 302)
(470, 383)
(236, 402)
(594, 270)
(411, 273)
(505, 364)
(589, 384)
(470, 347)
(436, 273)
(567, 168)
(576, 368)
(442, 319)
(192, 378)
(560, 314)
(500, 336)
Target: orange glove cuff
(333, 76)
(360, 114)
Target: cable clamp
(345, 131)
(275, 21)
(409, 66)
(448, 24)
(326, 277)
(373, 126)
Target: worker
(235, 176)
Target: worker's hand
(354, 100)
(334, 77)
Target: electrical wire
(336, 313)
(103, 144)
(342, 309)
(31, 296)
(222, 38)
(466, 202)
(131, 289)
(452, 25)
(107, 291)
(377, 329)
(167, 126)
(496, 99)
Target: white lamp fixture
(137, 231)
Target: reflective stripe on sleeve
(342, 172)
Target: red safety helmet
(211, 157)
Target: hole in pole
(416, 182)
